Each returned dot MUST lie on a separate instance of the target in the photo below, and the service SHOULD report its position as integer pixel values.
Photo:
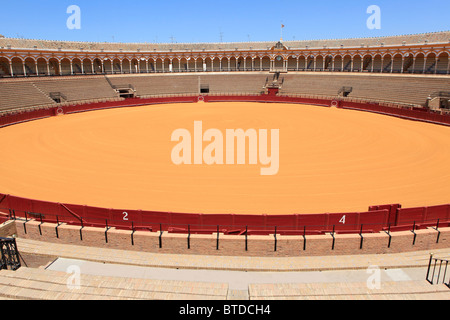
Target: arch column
(48, 68)
(403, 64)
(424, 64)
(71, 67)
(435, 66)
(11, 68)
(24, 68)
(448, 67)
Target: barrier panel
(392, 208)
(409, 113)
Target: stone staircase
(41, 284)
(404, 290)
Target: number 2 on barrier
(125, 216)
(342, 220)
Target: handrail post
(217, 242)
(40, 231)
(362, 238)
(439, 232)
(189, 237)
(334, 239)
(390, 236)
(81, 229)
(132, 233)
(304, 238)
(429, 268)
(275, 236)
(24, 225)
(246, 240)
(160, 235)
(56, 228)
(106, 231)
(414, 232)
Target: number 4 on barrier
(342, 220)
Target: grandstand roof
(414, 39)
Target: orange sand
(331, 160)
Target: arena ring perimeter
(333, 164)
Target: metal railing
(440, 266)
(10, 258)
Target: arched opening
(108, 67)
(319, 63)
(278, 63)
(116, 66)
(301, 63)
(357, 63)
(190, 64)
(30, 67)
(387, 63)
(134, 66)
(207, 65)
(443, 66)
(419, 63)
(367, 63)
(292, 63)
(5, 70)
(397, 62)
(347, 63)
(76, 66)
(328, 63)
(66, 68)
(408, 63)
(126, 66)
(431, 63)
(54, 67)
(17, 66)
(233, 64)
(376, 65)
(248, 64)
(87, 66)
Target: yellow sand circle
(330, 160)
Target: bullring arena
(363, 176)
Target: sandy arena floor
(331, 160)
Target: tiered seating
(159, 85)
(403, 290)
(246, 83)
(40, 284)
(79, 88)
(406, 89)
(21, 94)
(148, 85)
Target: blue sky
(206, 21)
